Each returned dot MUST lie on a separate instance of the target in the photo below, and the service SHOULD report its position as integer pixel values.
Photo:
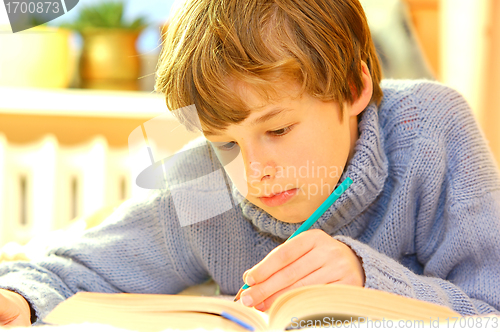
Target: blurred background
(74, 90)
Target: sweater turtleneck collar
(368, 170)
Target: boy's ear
(364, 96)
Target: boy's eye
(227, 146)
(224, 146)
(280, 132)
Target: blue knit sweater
(423, 214)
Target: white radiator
(43, 185)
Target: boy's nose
(259, 164)
(258, 171)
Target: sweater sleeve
(471, 294)
(456, 220)
(129, 252)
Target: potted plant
(41, 57)
(109, 58)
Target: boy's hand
(14, 309)
(312, 257)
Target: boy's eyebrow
(266, 117)
(269, 115)
(207, 132)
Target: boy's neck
(353, 123)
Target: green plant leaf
(105, 14)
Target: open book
(310, 306)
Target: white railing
(45, 184)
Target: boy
(291, 86)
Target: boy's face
(292, 151)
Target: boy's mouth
(278, 198)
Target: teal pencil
(313, 218)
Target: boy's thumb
(244, 275)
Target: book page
(155, 312)
(345, 301)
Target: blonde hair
(209, 44)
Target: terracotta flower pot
(109, 59)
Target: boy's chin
(294, 221)
(292, 213)
(291, 219)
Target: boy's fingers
(280, 257)
(245, 274)
(3, 301)
(316, 277)
(14, 309)
(8, 310)
(289, 275)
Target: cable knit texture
(423, 215)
